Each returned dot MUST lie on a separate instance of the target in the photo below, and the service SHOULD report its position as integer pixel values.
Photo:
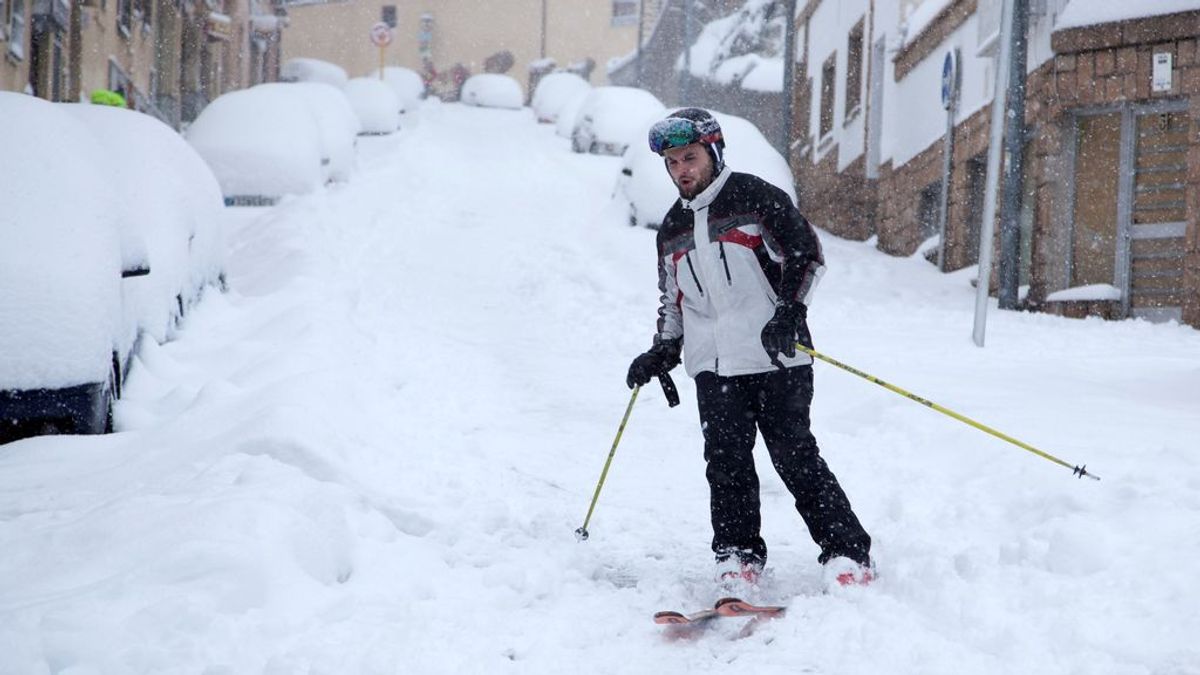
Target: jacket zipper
(693, 271)
(725, 262)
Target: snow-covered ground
(371, 454)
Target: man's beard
(695, 189)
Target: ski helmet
(687, 126)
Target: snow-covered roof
(1092, 12)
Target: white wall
(829, 30)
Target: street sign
(381, 35)
(949, 78)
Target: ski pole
(582, 533)
(1079, 471)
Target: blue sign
(949, 78)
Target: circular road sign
(949, 78)
(381, 35)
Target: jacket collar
(710, 193)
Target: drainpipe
(789, 68)
(1014, 161)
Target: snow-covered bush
(493, 90)
(554, 92)
(646, 188)
(377, 106)
(261, 143)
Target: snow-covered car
(610, 116)
(407, 84)
(64, 268)
(554, 92)
(338, 124)
(178, 215)
(565, 125)
(313, 70)
(377, 106)
(493, 90)
(646, 189)
(261, 144)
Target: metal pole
(947, 161)
(789, 75)
(686, 76)
(1014, 163)
(640, 38)
(988, 227)
(543, 29)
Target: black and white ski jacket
(724, 259)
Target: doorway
(1129, 205)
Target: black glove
(779, 335)
(658, 360)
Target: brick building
(1112, 159)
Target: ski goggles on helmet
(676, 132)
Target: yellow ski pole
(1079, 471)
(582, 533)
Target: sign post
(950, 80)
(381, 36)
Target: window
(124, 16)
(828, 71)
(16, 33)
(854, 70)
(388, 15)
(144, 8)
(624, 12)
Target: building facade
(167, 58)
(1108, 224)
(454, 38)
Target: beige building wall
(14, 56)
(103, 41)
(464, 31)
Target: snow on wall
(1091, 12)
(913, 114)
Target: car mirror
(140, 270)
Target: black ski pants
(776, 403)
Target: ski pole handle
(669, 390)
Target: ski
(680, 625)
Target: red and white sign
(381, 35)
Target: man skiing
(736, 268)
